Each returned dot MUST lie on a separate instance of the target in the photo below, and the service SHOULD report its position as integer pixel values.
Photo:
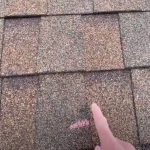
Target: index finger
(104, 132)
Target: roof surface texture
(59, 56)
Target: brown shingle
(25, 7)
(102, 42)
(62, 102)
(20, 46)
(61, 44)
(71, 43)
(135, 32)
(18, 104)
(141, 80)
(112, 92)
(70, 6)
(118, 5)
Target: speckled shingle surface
(25, 7)
(112, 91)
(141, 81)
(135, 32)
(18, 105)
(119, 5)
(20, 46)
(81, 51)
(70, 6)
(61, 44)
(102, 42)
(62, 102)
(69, 43)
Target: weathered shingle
(20, 46)
(135, 32)
(25, 7)
(17, 115)
(62, 102)
(102, 42)
(141, 81)
(112, 92)
(71, 43)
(70, 6)
(61, 44)
(118, 5)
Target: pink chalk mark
(80, 124)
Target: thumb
(98, 148)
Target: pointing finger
(98, 148)
(104, 132)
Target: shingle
(118, 5)
(20, 46)
(141, 81)
(25, 7)
(70, 6)
(18, 104)
(112, 92)
(62, 102)
(71, 43)
(135, 32)
(102, 42)
(61, 44)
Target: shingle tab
(102, 42)
(135, 32)
(18, 104)
(61, 44)
(62, 102)
(70, 6)
(112, 92)
(20, 46)
(141, 81)
(118, 5)
(25, 7)
(71, 43)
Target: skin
(108, 141)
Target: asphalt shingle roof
(59, 56)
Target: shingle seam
(49, 73)
(90, 13)
(121, 11)
(121, 40)
(63, 72)
(134, 107)
(93, 5)
(1, 99)
(2, 43)
(36, 109)
(37, 53)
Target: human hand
(108, 141)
